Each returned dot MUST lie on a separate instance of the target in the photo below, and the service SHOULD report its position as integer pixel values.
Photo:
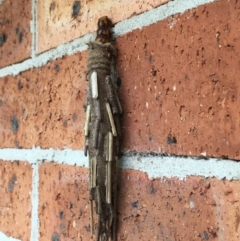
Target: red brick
(179, 84)
(190, 209)
(44, 107)
(56, 24)
(170, 209)
(15, 19)
(180, 80)
(63, 202)
(15, 199)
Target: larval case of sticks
(102, 133)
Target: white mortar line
(154, 166)
(3, 237)
(66, 156)
(182, 167)
(34, 201)
(79, 45)
(157, 14)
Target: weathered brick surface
(180, 96)
(63, 21)
(180, 83)
(193, 209)
(15, 199)
(15, 36)
(179, 90)
(44, 107)
(63, 203)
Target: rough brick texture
(180, 83)
(193, 209)
(63, 21)
(44, 107)
(15, 36)
(179, 93)
(15, 199)
(63, 204)
(179, 90)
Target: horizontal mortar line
(75, 46)
(80, 44)
(156, 14)
(154, 166)
(38, 155)
(4, 237)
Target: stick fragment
(109, 183)
(99, 212)
(86, 126)
(91, 217)
(115, 202)
(93, 171)
(111, 95)
(110, 146)
(94, 85)
(98, 110)
(96, 131)
(114, 131)
(86, 146)
(91, 198)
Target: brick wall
(179, 65)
